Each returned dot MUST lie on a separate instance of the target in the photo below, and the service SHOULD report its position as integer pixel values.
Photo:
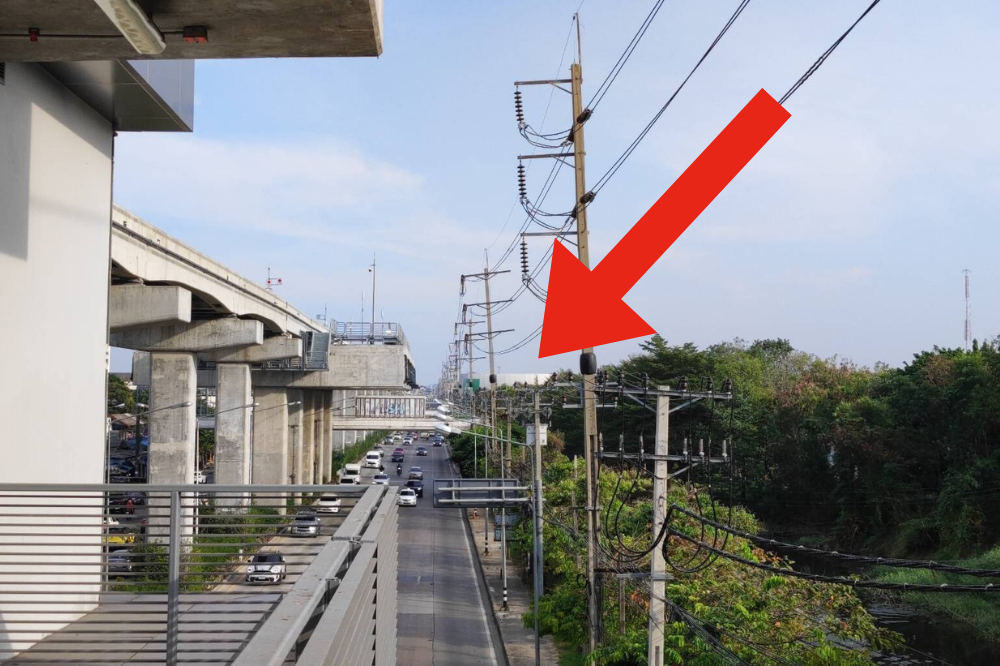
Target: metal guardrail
(480, 493)
(363, 333)
(88, 576)
(357, 623)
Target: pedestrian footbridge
(396, 412)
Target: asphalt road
(442, 615)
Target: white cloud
(315, 189)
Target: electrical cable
(617, 164)
(826, 54)
(840, 580)
(702, 632)
(844, 557)
(562, 58)
(602, 90)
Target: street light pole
(371, 269)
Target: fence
(130, 573)
(361, 333)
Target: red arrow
(584, 308)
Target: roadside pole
(588, 362)
(658, 567)
(538, 567)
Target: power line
(642, 135)
(623, 58)
(844, 557)
(562, 58)
(826, 54)
(838, 580)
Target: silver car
(119, 562)
(305, 525)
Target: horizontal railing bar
(103, 612)
(252, 489)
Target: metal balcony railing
(132, 573)
(351, 333)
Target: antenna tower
(968, 311)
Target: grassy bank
(981, 611)
(354, 453)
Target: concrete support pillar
(295, 435)
(339, 409)
(270, 438)
(352, 434)
(326, 451)
(173, 434)
(308, 436)
(173, 429)
(232, 425)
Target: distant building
(507, 378)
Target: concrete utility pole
(491, 435)
(658, 567)
(538, 568)
(588, 362)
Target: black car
(397, 457)
(421, 450)
(437, 442)
(416, 486)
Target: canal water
(931, 640)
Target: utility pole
(485, 277)
(658, 567)
(588, 361)
(538, 568)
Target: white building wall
(55, 212)
(55, 226)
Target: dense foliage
(894, 460)
(751, 613)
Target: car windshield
(328, 498)
(305, 519)
(406, 493)
(266, 558)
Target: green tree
(121, 400)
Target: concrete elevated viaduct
(281, 378)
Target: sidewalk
(519, 641)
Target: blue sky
(846, 234)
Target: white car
(266, 568)
(373, 459)
(407, 498)
(380, 479)
(328, 503)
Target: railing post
(174, 578)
